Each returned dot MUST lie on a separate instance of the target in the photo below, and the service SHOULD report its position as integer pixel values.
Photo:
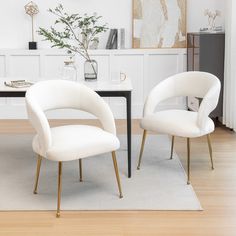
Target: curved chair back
(198, 84)
(61, 94)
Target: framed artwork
(159, 23)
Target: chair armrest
(208, 104)
(40, 123)
(91, 102)
(159, 93)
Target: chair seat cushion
(177, 123)
(72, 142)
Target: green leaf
(72, 31)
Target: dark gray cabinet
(205, 52)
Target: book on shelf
(109, 39)
(121, 38)
(116, 39)
(112, 39)
(18, 83)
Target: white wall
(15, 24)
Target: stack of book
(116, 39)
(18, 83)
(217, 29)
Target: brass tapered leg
(37, 174)
(210, 150)
(188, 160)
(59, 188)
(142, 148)
(117, 173)
(80, 171)
(172, 147)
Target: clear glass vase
(69, 71)
(90, 70)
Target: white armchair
(70, 142)
(182, 123)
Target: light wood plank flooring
(215, 189)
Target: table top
(103, 85)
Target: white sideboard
(145, 68)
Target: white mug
(118, 76)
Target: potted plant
(78, 33)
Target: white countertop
(96, 85)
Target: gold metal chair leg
(172, 147)
(37, 174)
(59, 188)
(117, 173)
(210, 150)
(142, 148)
(188, 160)
(80, 171)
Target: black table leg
(129, 134)
(127, 96)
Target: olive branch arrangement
(78, 32)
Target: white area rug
(159, 185)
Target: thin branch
(87, 27)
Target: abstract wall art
(159, 23)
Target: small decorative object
(159, 23)
(69, 70)
(79, 32)
(90, 70)
(212, 18)
(32, 9)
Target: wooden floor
(215, 189)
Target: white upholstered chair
(182, 123)
(70, 142)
